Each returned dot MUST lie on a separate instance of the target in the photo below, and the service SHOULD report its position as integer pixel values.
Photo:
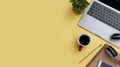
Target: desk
(41, 33)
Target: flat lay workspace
(47, 33)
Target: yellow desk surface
(41, 33)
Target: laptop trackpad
(102, 30)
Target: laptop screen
(113, 3)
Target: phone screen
(103, 64)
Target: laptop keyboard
(105, 15)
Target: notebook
(102, 56)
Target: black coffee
(84, 40)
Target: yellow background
(41, 33)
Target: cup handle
(80, 48)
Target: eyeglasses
(112, 53)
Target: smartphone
(103, 64)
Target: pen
(90, 53)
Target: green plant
(79, 5)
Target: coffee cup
(83, 41)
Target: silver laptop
(103, 19)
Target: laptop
(103, 19)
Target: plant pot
(77, 12)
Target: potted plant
(79, 5)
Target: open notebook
(102, 56)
